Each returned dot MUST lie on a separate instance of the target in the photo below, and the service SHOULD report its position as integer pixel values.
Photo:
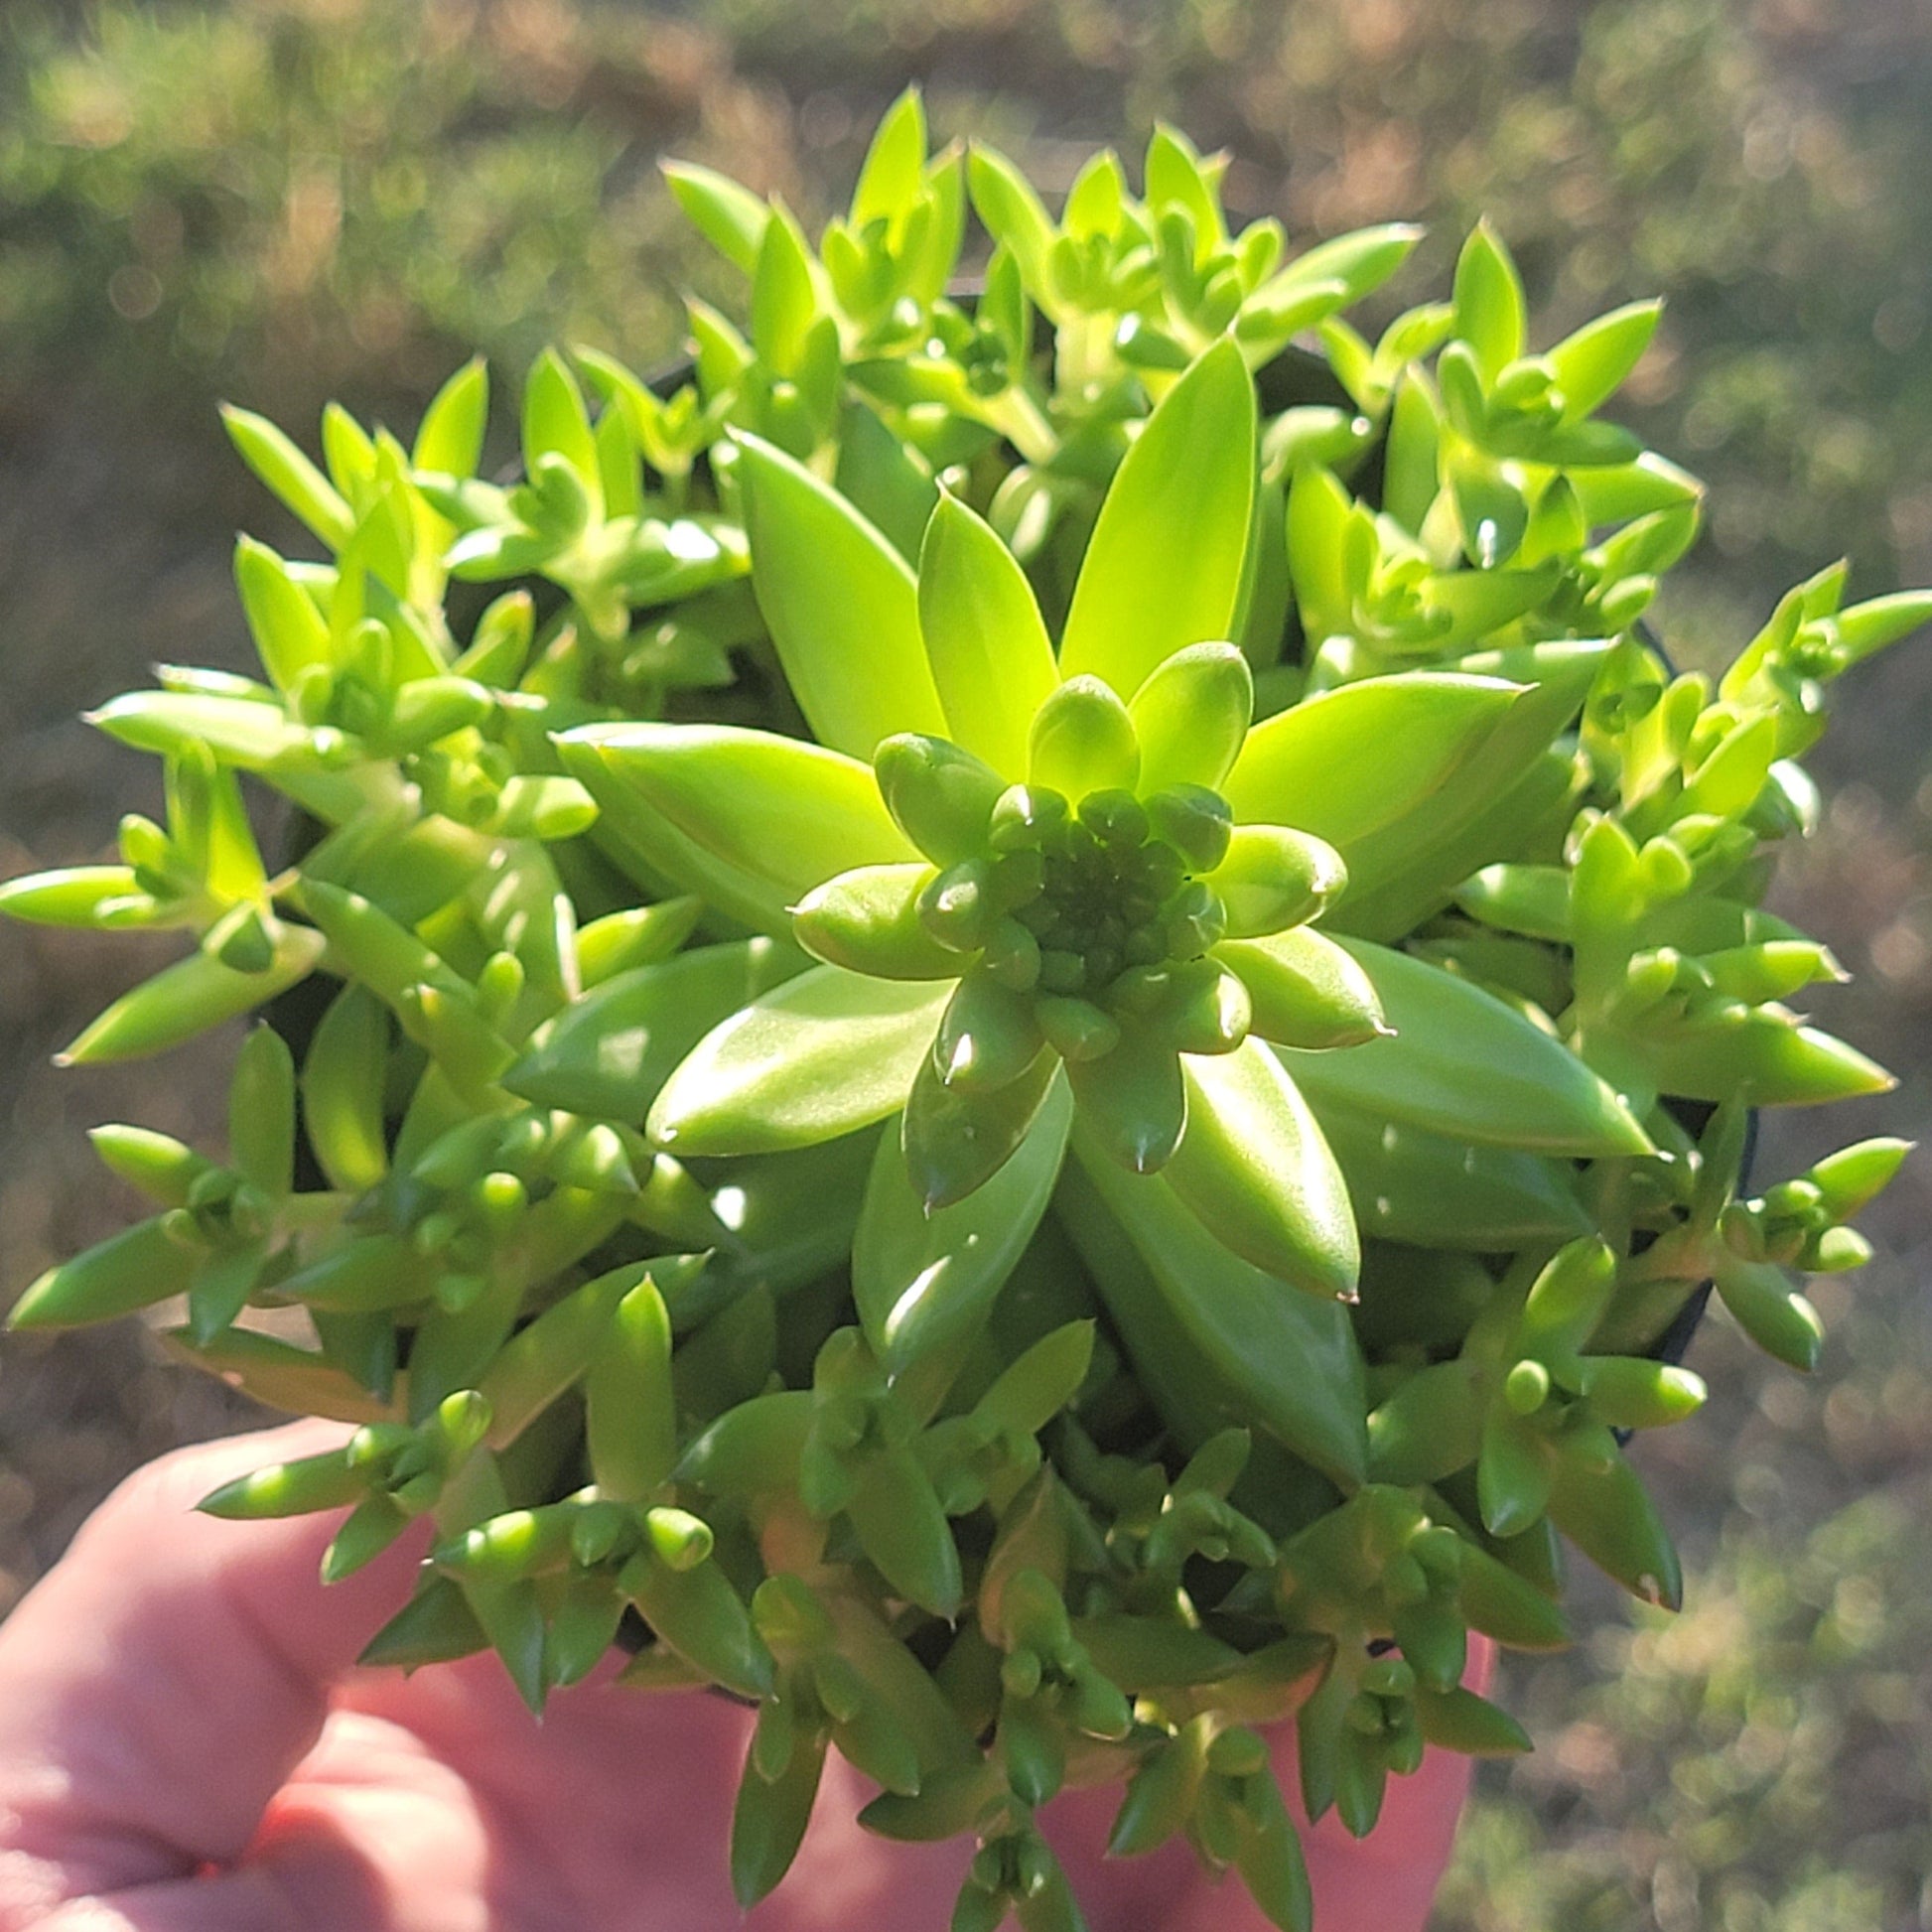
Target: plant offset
(1025, 1055)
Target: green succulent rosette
(1020, 1057)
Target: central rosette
(1096, 914)
(1099, 912)
(1098, 889)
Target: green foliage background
(278, 202)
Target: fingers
(619, 1806)
(280, 1897)
(159, 1683)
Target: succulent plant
(1022, 1057)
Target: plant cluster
(1022, 1056)
(162, 207)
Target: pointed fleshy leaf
(988, 1036)
(1514, 1471)
(1163, 567)
(991, 658)
(547, 1355)
(1762, 1053)
(1506, 1606)
(345, 1085)
(893, 172)
(556, 422)
(1633, 1392)
(702, 1619)
(732, 218)
(824, 1055)
(1350, 761)
(608, 1054)
(1255, 1168)
(1463, 1065)
(1856, 1175)
(1133, 1101)
(903, 1531)
(1030, 1391)
(1567, 1301)
(745, 818)
(1459, 1721)
(289, 633)
(640, 935)
(1174, 176)
(1361, 260)
(1489, 307)
(437, 1625)
(1600, 1503)
(1321, 520)
(190, 997)
(1868, 628)
(1267, 1856)
(1005, 200)
(1191, 714)
(1093, 202)
(1591, 363)
(842, 605)
(282, 1376)
(925, 1283)
(270, 453)
(1430, 1426)
(1213, 1338)
(940, 795)
(647, 849)
(867, 920)
(1624, 490)
(131, 1270)
(261, 1112)
(1303, 989)
(163, 1168)
(1082, 741)
(784, 295)
(450, 441)
(630, 1410)
(1762, 1301)
(1272, 877)
(768, 1820)
(72, 896)
(956, 1140)
(373, 1524)
(1159, 1797)
(241, 731)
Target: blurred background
(275, 201)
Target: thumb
(159, 1684)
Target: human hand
(185, 1746)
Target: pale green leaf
(1163, 567)
(991, 658)
(1214, 1339)
(732, 218)
(824, 1055)
(842, 605)
(742, 817)
(1461, 1064)
(1256, 1169)
(1349, 760)
(924, 1284)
